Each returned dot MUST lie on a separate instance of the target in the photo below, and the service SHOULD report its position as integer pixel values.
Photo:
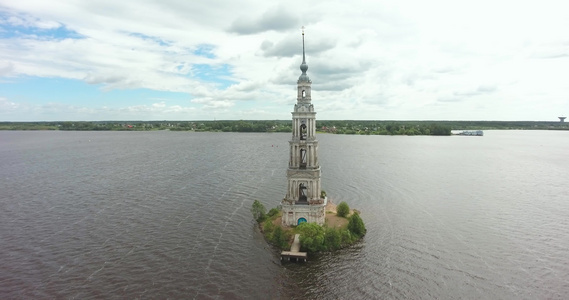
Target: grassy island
(342, 228)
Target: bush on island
(347, 237)
(333, 239)
(259, 212)
(280, 238)
(314, 238)
(272, 212)
(343, 209)
(273, 233)
(356, 225)
(311, 236)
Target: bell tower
(303, 201)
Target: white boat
(471, 132)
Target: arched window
(303, 158)
(302, 193)
(303, 93)
(303, 132)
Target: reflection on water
(166, 214)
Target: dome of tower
(304, 77)
(303, 67)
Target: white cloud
(7, 106)
(52, 111)
(391, 60)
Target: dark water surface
(156, 215)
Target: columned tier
(303, 185)
(303, 154)
(303, 127)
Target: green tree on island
(311, 236)
(343, 209)
(356, 225)
(280, 238)
(333, 239)
(259, 212)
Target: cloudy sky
(231, 60)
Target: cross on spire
(303, 58)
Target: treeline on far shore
(328, 126)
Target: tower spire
(303, 66)
(303, 58)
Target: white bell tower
(303, 202)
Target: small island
(342, 227)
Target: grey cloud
(549, 55)
(411, 78)
(379, 100)
(292, 45)
(98, 79)
(464, 95)
(322, 80)
(445, 69)
(347, 71)
(6, 68)
(285, 78)
(483, 89)
(287, 47)
(327, 76)
(450, 99)
(333, 106)
(247, 86)
(276, 19)
(551, 51)
(331, 69)
(110, 82)
(332, 86)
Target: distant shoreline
(371, 127)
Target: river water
(157, 215)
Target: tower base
(313, 211)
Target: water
(91, 215)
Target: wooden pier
(294, 252)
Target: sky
(69, 60)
